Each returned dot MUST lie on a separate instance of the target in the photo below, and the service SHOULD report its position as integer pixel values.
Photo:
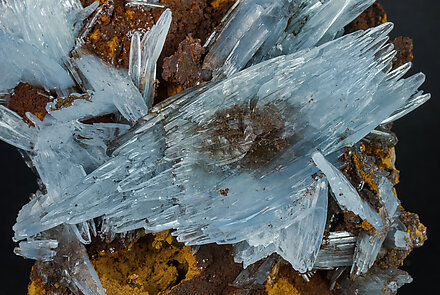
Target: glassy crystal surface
(251, 158)
(378, 281)
(273, 28)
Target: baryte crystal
(43, 250)
(37, 68)
(367, 249)
(256, 275)
(14, 131)
(377, 281)
(398, 239)
(144, 54)
(72, 262)
(368, 246)
(269, 30)
(168, 187)
(111, 91)
(233, 161)
(148, 3)
(43, 44)
(308, 229)
(33, 21)
(337, 250)
(61, 161)
(346, 195)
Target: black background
(417, 159)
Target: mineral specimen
(276, 155)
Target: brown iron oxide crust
(404, 47)
(394, 258)
(27, 98)
(229, 135)
(110, 38)
(372, 17)
(219, 271)
(188, 57)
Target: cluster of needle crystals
(252, 158)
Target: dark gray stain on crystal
(249, 135)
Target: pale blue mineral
(258, 30)
(248, 159)
(377, 281)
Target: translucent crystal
(37, 68)
(63, 153)
(368, 246)
(256, 275)
(398, 239)
(377, 281)
(147, 3)
(144, 54)
(42, 250)
(16, 132)
(112, 90)
(84, 30)
(246, 160)
(27, 29)
(33, 21)
(63, 254)
(346, 195)
(180, 169)
(319, 22)
(367, 249)
(337, 250)
(72, 262)
(134, 70)
(306, 229)
(263, 29)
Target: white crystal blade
(367, 249)
(345, 194)
(33, 21)
(82, 30)
(37, 68)
(148, 3)
(15, 131)
(377, 281)
(412, 103)
(60, 249)
(151, 45)
(337, 250)
(327, 21)
(77, 268)
(245, 38)
(300, 242)
(398, 239)
(174, 169)
(134, 69)
(42, 250)
(113, 90)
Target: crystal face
(251, 158)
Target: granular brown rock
(404, 47)
(184, 67)
(375, 15)
(27, 98)
(220, 270)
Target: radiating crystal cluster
(250, 158)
